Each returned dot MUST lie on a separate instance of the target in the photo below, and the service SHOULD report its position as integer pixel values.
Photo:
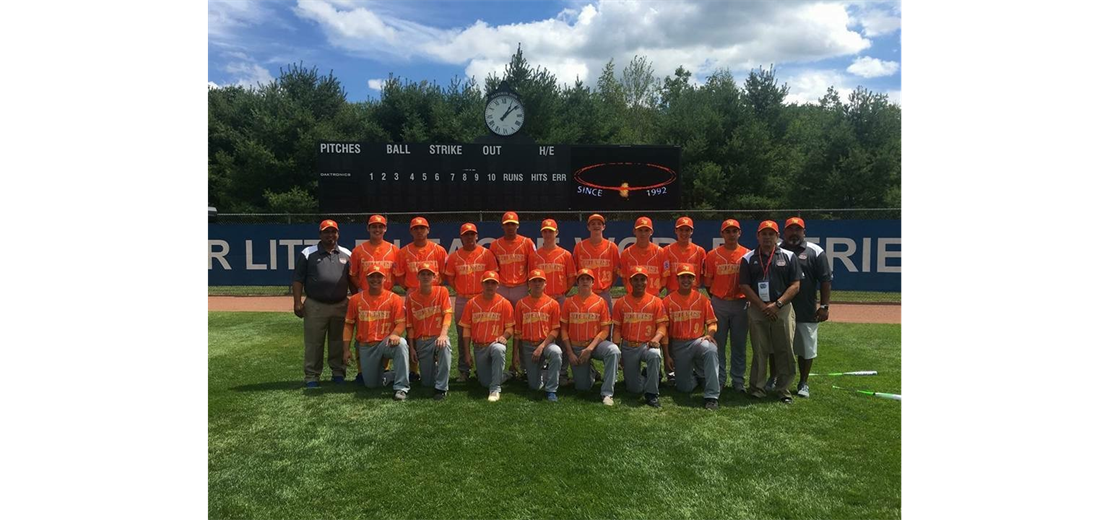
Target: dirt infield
(840, 312)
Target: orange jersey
(637, 320)
(694, 255)
(688, 316)
(652, 260)
(366, 256)
(604, 259)
(512, 258)
(375, 317)
(722, 272)
(466, 269)
(425, 313)
(584, 319)
(559, 268)
(487, 319)
(536, 318)
(410, 258)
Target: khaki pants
(772, 338)
(323, 320)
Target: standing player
(600, 256)
(558, 267)
(647, 254)
(586, 324)
(691, 324)
(464, 272)
(378, 315)
(808, 313)
(512, 252)
(375, 251)
(722, 266)
(684, 251)
(420, 250)
(488, 320)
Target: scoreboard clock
(504, 114)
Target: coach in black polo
(808, 313)
(322, 275)
(770, 277)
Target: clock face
(504, 114)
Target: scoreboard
(389, 178)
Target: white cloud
(700, 36)
(375, 84)
(809, 86)
(895, 96)
(869, 67)
(879, 19)
(247, 75)
(225, 17)
(212, 85)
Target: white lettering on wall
(843, 256)
(251, 266)
(218, 255)
(884, 254)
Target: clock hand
(514, 107)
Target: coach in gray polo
(321, 275)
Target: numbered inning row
(456, 176)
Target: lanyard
(767, 267)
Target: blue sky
(813, 45)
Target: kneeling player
(429, 314)
(639, 324)
(585, 329)
(488, 321)
(691, 326)
(379, 317)
(537, 320)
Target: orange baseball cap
(375, 269)
(467, 228)
(376, 219)
(795, 221)
(585, 271)
(329, 224)
(685, 268)
(730, 223)
(768, 223)
(491, 275)
(549, 223)
(595, 216)
(684, 221)
(419, 221)
(428, 266)
(537, 273)
(510, 218)
(643, 222)
(638, 271)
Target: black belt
(327, 302)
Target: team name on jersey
(483, 317)
(550, 268)
(649, 269)
(510, 258)
(637, 317)
(535, 317)
(728, 268)
(584, 317)
(470, 268)
(426, 311)
(594, 263)
(373, 315)
(685, 315)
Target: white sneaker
(803, 391)
(607, 400)
(494, 397)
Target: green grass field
(276, 450)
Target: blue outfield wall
(866, 255)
